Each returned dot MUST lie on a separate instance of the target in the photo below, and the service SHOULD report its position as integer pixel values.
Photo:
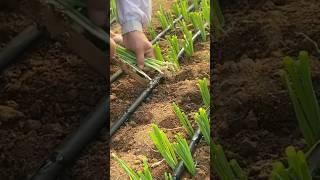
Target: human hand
(137, 42)
(113, 46)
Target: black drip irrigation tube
(117, 74)
(18, 45)
(313, 159)
(136, 104)
(65, 155)
(143, 95)
(192, 146)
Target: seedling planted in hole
(297, 76)
(188, 43)
(204, 90)
(297, 167)
(199, 23)
(144, 175)
(165, 18)
(152, 32)
(184, 10)
(205, 6)
(203, 122)
(183, 120)
(162, 143)
(183, 150)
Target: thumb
(140, 58)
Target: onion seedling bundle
(183, 150)
(225, 170)
(204, 90)
(164, 146)
(129, 58)
(145, 175)
(176, 8)
(199, 23)
(297, 76)
(183, 120)
(203, 122)
(297, 170)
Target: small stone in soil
(9, 113)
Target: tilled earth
(253, 116)
(43, 98)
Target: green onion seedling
(297, 76)
(157, 52)
(162, 143)
(225, 170)
(184, 10)
(297, 167)
(183, 150)
(152, 32)
(204, 90)
(183, 120)
(188, 43)
(203, 122)
(205, 6)
(144, 175)
(199, 23)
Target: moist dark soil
(43, 97)
(253, 116)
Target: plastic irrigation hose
(73, 145)
(17, 45)
(117, 74)
(314, 161)
(193, 144)
(136, 104)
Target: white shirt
(133, 15)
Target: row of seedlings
(181, 148)
(158, 64)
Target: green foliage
(157, 52)
(199, 23)
(144, 175)
(297, 167)
(183, 120)
(297, 76)
(217, 18)
(167, 176)
(203, 122)
(204, 90)
(224, 169)
(183, 150)
(164, 146)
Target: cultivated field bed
(253, 116)
(132, 142)
(43, 98)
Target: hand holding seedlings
(137, 42)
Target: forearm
(133, 15)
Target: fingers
(140, 58)
(112, 48)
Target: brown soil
(253, 116)
(43, 98)
(132, 142)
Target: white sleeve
(133, 15)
